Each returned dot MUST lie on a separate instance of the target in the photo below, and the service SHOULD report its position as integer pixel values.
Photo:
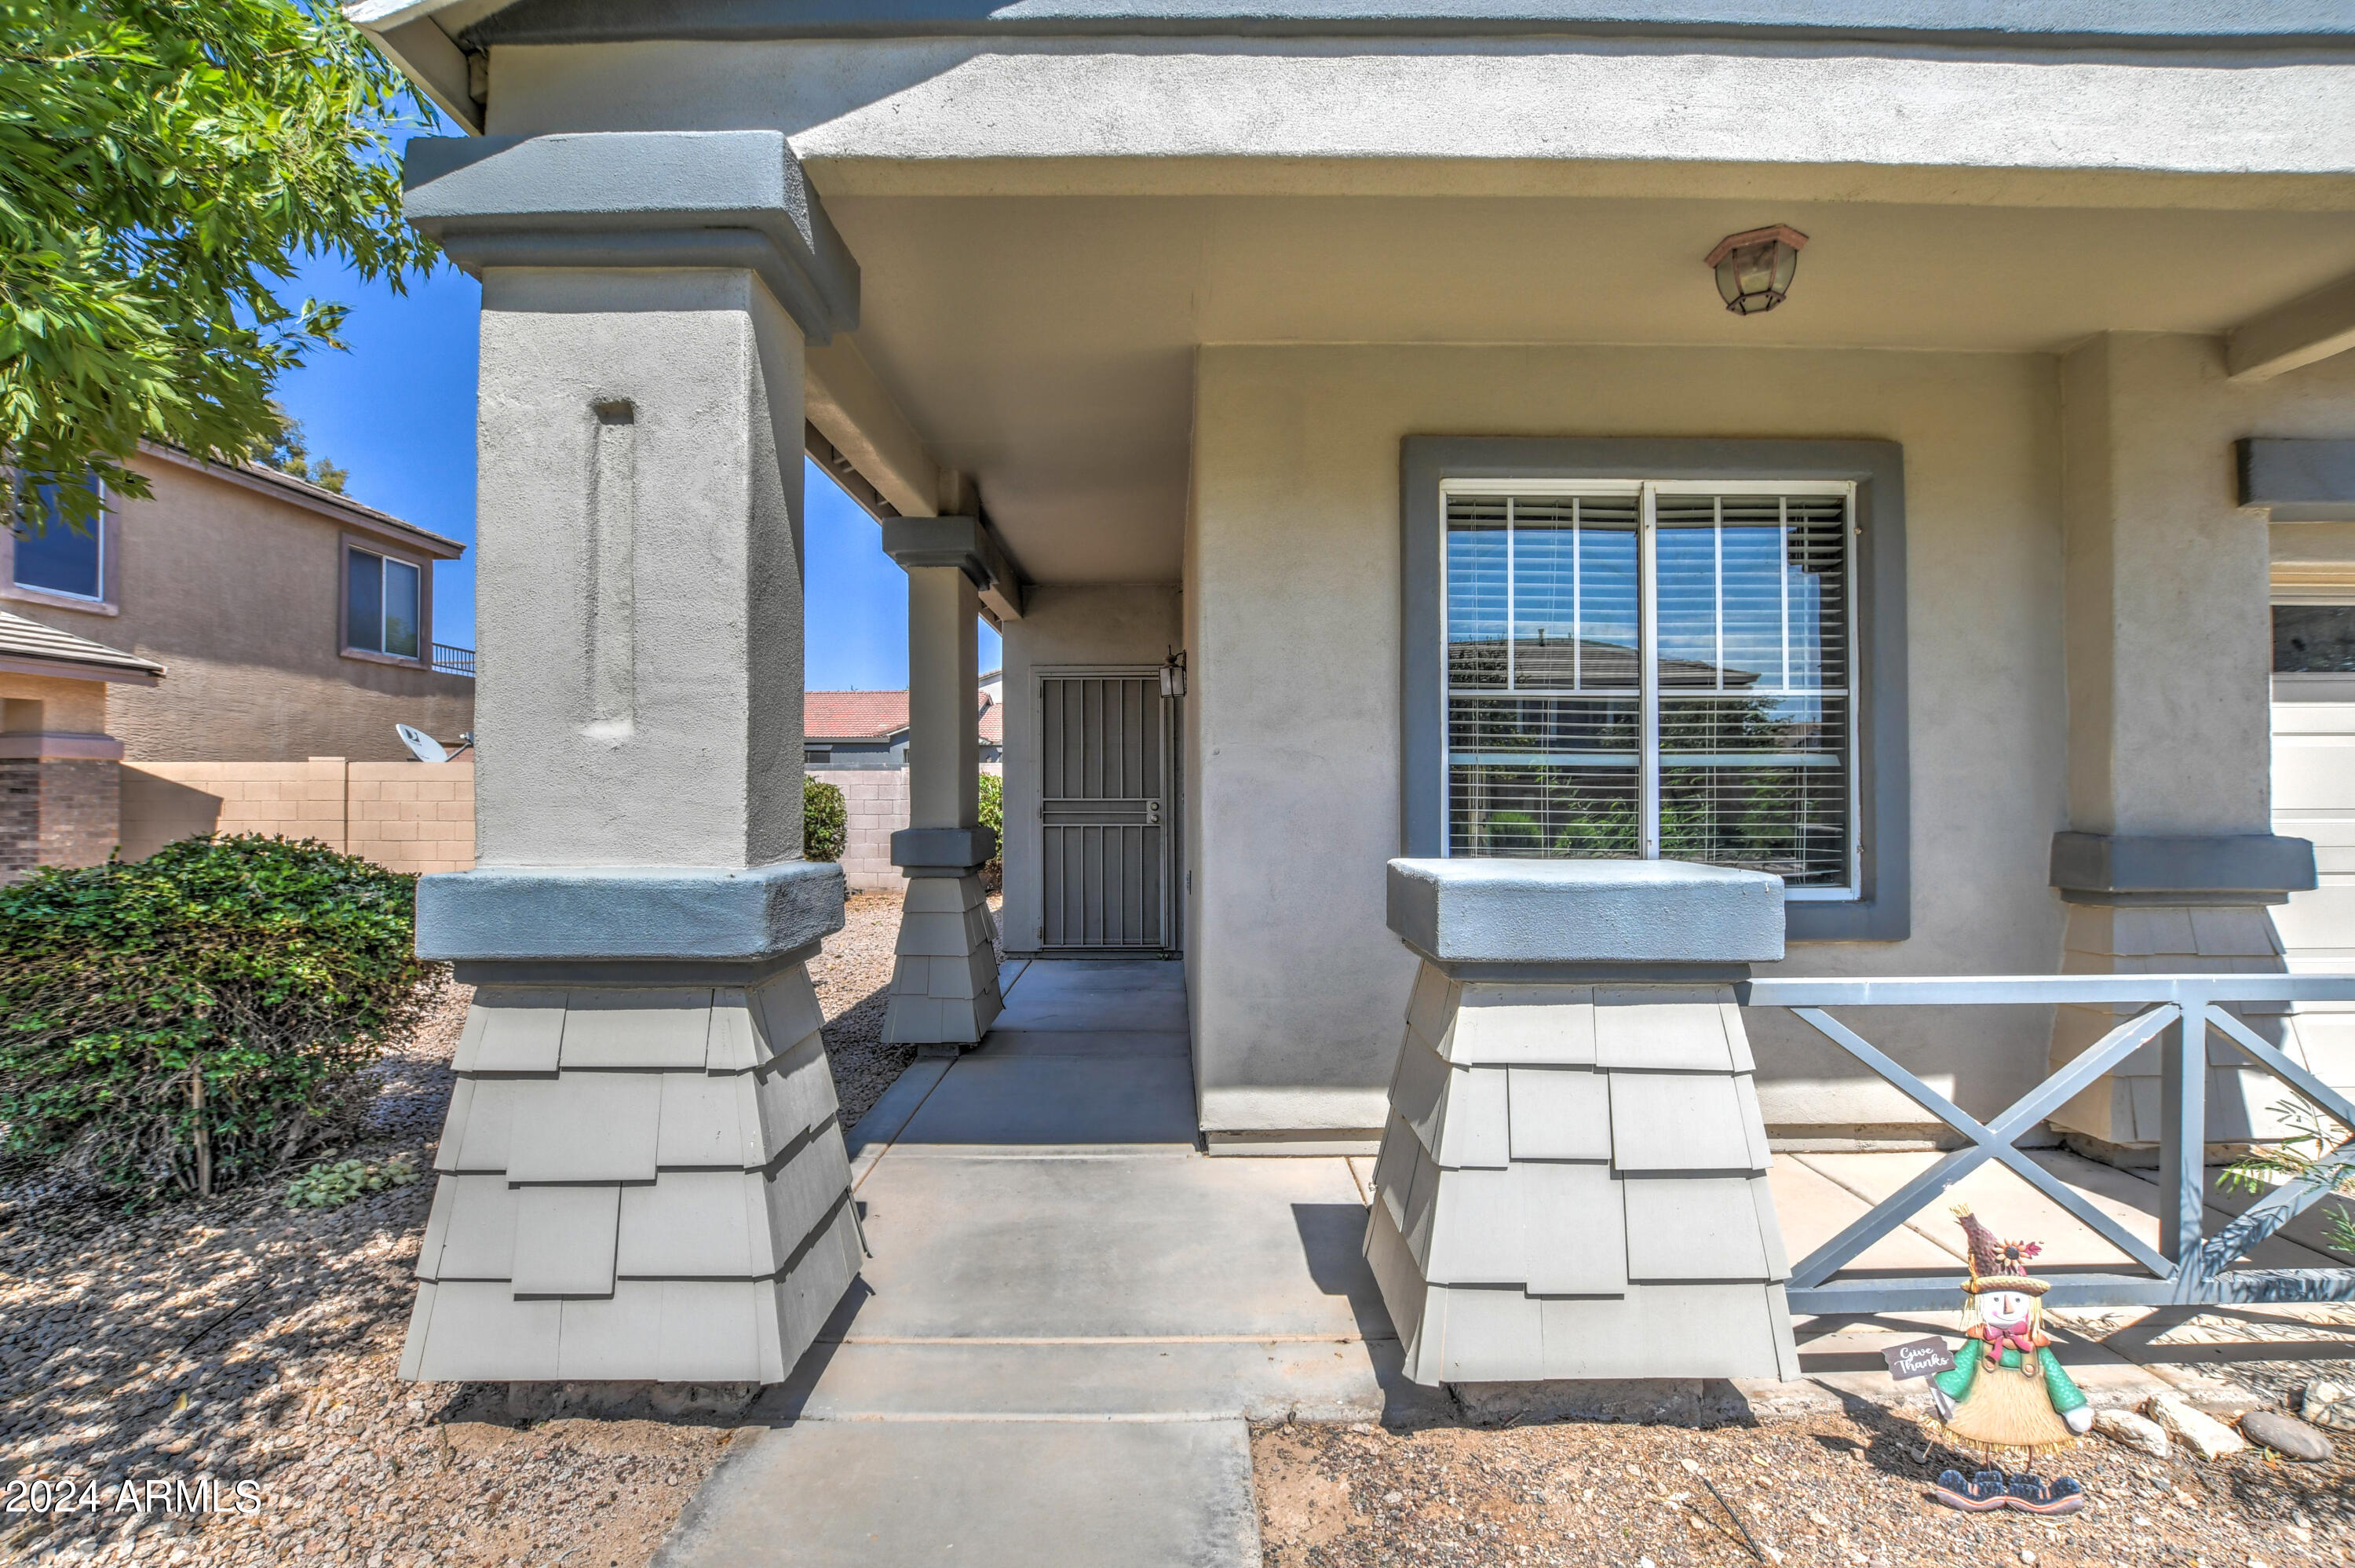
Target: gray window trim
(110, 567)
(1884, 913)
(368, 546)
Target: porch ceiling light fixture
(1754, 268)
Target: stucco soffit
(858, 417)
(638, 199)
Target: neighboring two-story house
(240, 616)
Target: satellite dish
(421, 745)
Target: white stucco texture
(639, 570)
(1292, 595)
(912, 115)
(2169, 635)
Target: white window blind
(1653, 669)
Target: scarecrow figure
(2007, 1389)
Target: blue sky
(398, 410)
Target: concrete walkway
(1069, 1317)
(1070, 1313)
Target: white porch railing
(2187, 1268)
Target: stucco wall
(72, 705)
(238, 593)
(1293, 592)
(1115, 625)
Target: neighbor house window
(383, 604)
(52, 556)
(1650, 670)
(818, 754)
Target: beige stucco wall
(1115, 624)
(1292, 594)
(237, 593)
(74, 706)
(2161, 560)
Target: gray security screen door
(1105, 809)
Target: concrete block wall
(637, 1183)
(405, 816)
(876, 799)
(1572, 1186)
(876, 802)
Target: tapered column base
(635, 1182)
(945, 982)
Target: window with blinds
(1652, 671)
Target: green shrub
(200, 1018)
(333, 1186)
(992, 817)
(826, 821)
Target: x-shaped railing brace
(1994, 1140)
(1989, 1141)
(2291, 1198)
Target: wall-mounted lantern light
(1755, 269)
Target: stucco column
(643, 1174)
(944, 980)
(2168, 861)
(1572, 1183)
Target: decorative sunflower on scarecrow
(2007, 1390)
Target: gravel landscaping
(237, 1340)
(1852, 1491)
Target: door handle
(1152, 813)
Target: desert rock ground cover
(1850, 1491)
(237, 1340)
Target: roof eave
(311, 497)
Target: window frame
(1652, 760)
(109, 550)
(1880, 909)
(365, 546)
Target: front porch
(1073, 1312)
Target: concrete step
(998, 1494)
(1154, 1380)
(1121, 1100)
(1114, 1246)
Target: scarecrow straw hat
(1997, 1265)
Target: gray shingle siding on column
(1573, 1186)
(635, 1182)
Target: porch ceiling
(1044, 344)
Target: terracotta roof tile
(853, 715)
(873, 715)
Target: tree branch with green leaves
(163, 166)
